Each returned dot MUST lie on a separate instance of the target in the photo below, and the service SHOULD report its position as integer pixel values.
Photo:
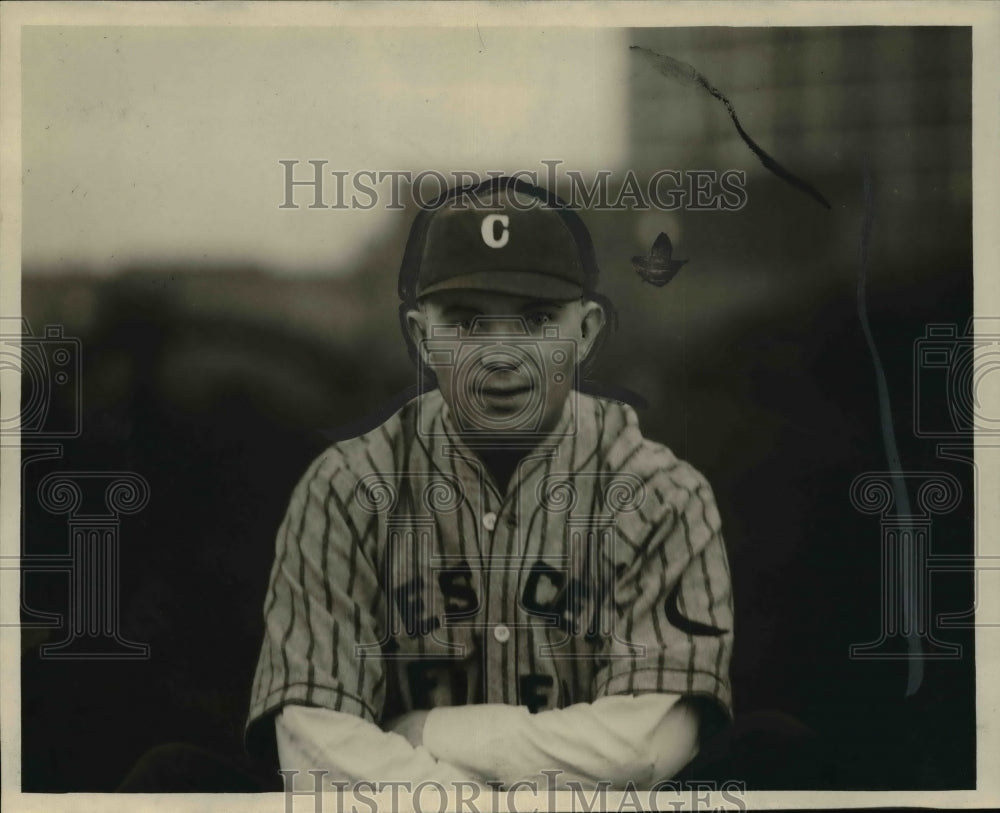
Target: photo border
(983, 17)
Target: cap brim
(516, 283)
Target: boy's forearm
(615, 739)
(349, 750)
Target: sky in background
(163, 143)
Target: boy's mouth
(506, 392)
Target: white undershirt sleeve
(617, 739)
(352, 750)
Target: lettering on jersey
(536, 692)
(678, 620)
(460, 599)
(436, 683)
(412, 608)
(544, 591)
(492, 236)
(549, 594)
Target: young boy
(505, 577)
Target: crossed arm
(617, 739)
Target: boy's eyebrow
(543, 303)
(454, 308)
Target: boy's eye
(538, 318)
(462, 322)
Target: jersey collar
(443, 438)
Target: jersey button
(502, 633)
(489, 521)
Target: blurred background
(224, 341)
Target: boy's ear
(591, 325)
(416, 327)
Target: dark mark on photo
(686, 74)
(914, 663)
(659, 267)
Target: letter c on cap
(489, 231)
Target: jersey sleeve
(672, 624)
(321, 631)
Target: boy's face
(504, 363)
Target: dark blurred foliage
(220, 385)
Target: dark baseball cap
(502, 235)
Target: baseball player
(505, 577)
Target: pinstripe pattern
(371, 607)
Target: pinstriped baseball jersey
(405, 578)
